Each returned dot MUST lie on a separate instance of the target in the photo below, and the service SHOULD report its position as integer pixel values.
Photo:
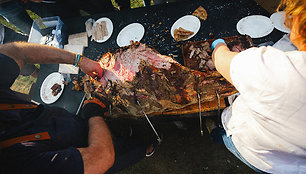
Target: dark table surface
(223, 16)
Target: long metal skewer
(77, 112)
(200, 114)
(158, 137)
(219, 116)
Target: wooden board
(192, 109)
(246, 42)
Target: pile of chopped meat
(201, 53)
(198, 55)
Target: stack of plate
(257, 26)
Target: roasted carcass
(157, 81)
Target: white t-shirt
(268, 120)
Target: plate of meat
(102, 30)
(185, 27)
(256, 26)
(132, 32)
(52, 88)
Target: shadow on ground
(185, 151)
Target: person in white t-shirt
(265, 126)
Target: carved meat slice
(201, 13)
(157, 81)
(100, 31)
(181, 34)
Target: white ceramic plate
(278, 20)
(109, 27)
(46, 91)
(134, 31)
(255, 26)
(188, 22)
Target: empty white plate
(188, 22)
(46, 91)
(134, 32)
(109, 27)
(278, 20)
(255, 26)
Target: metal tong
(158, 137)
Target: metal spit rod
(158, 137)
(219, 116)
(77, 112)
(200, 114)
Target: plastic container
(44, 26)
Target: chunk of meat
(100, 31)
(201, 13)
(181, 34)
(56, 88)
(210, 64)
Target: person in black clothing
(43, 139)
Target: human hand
(222, 57)
(237, 48)
(91, 67)
(92, 107)
(216, 42)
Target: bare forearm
(222, 58)
(27, 53)
(99, 132)
(98, 157)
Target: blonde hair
(295, 8)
